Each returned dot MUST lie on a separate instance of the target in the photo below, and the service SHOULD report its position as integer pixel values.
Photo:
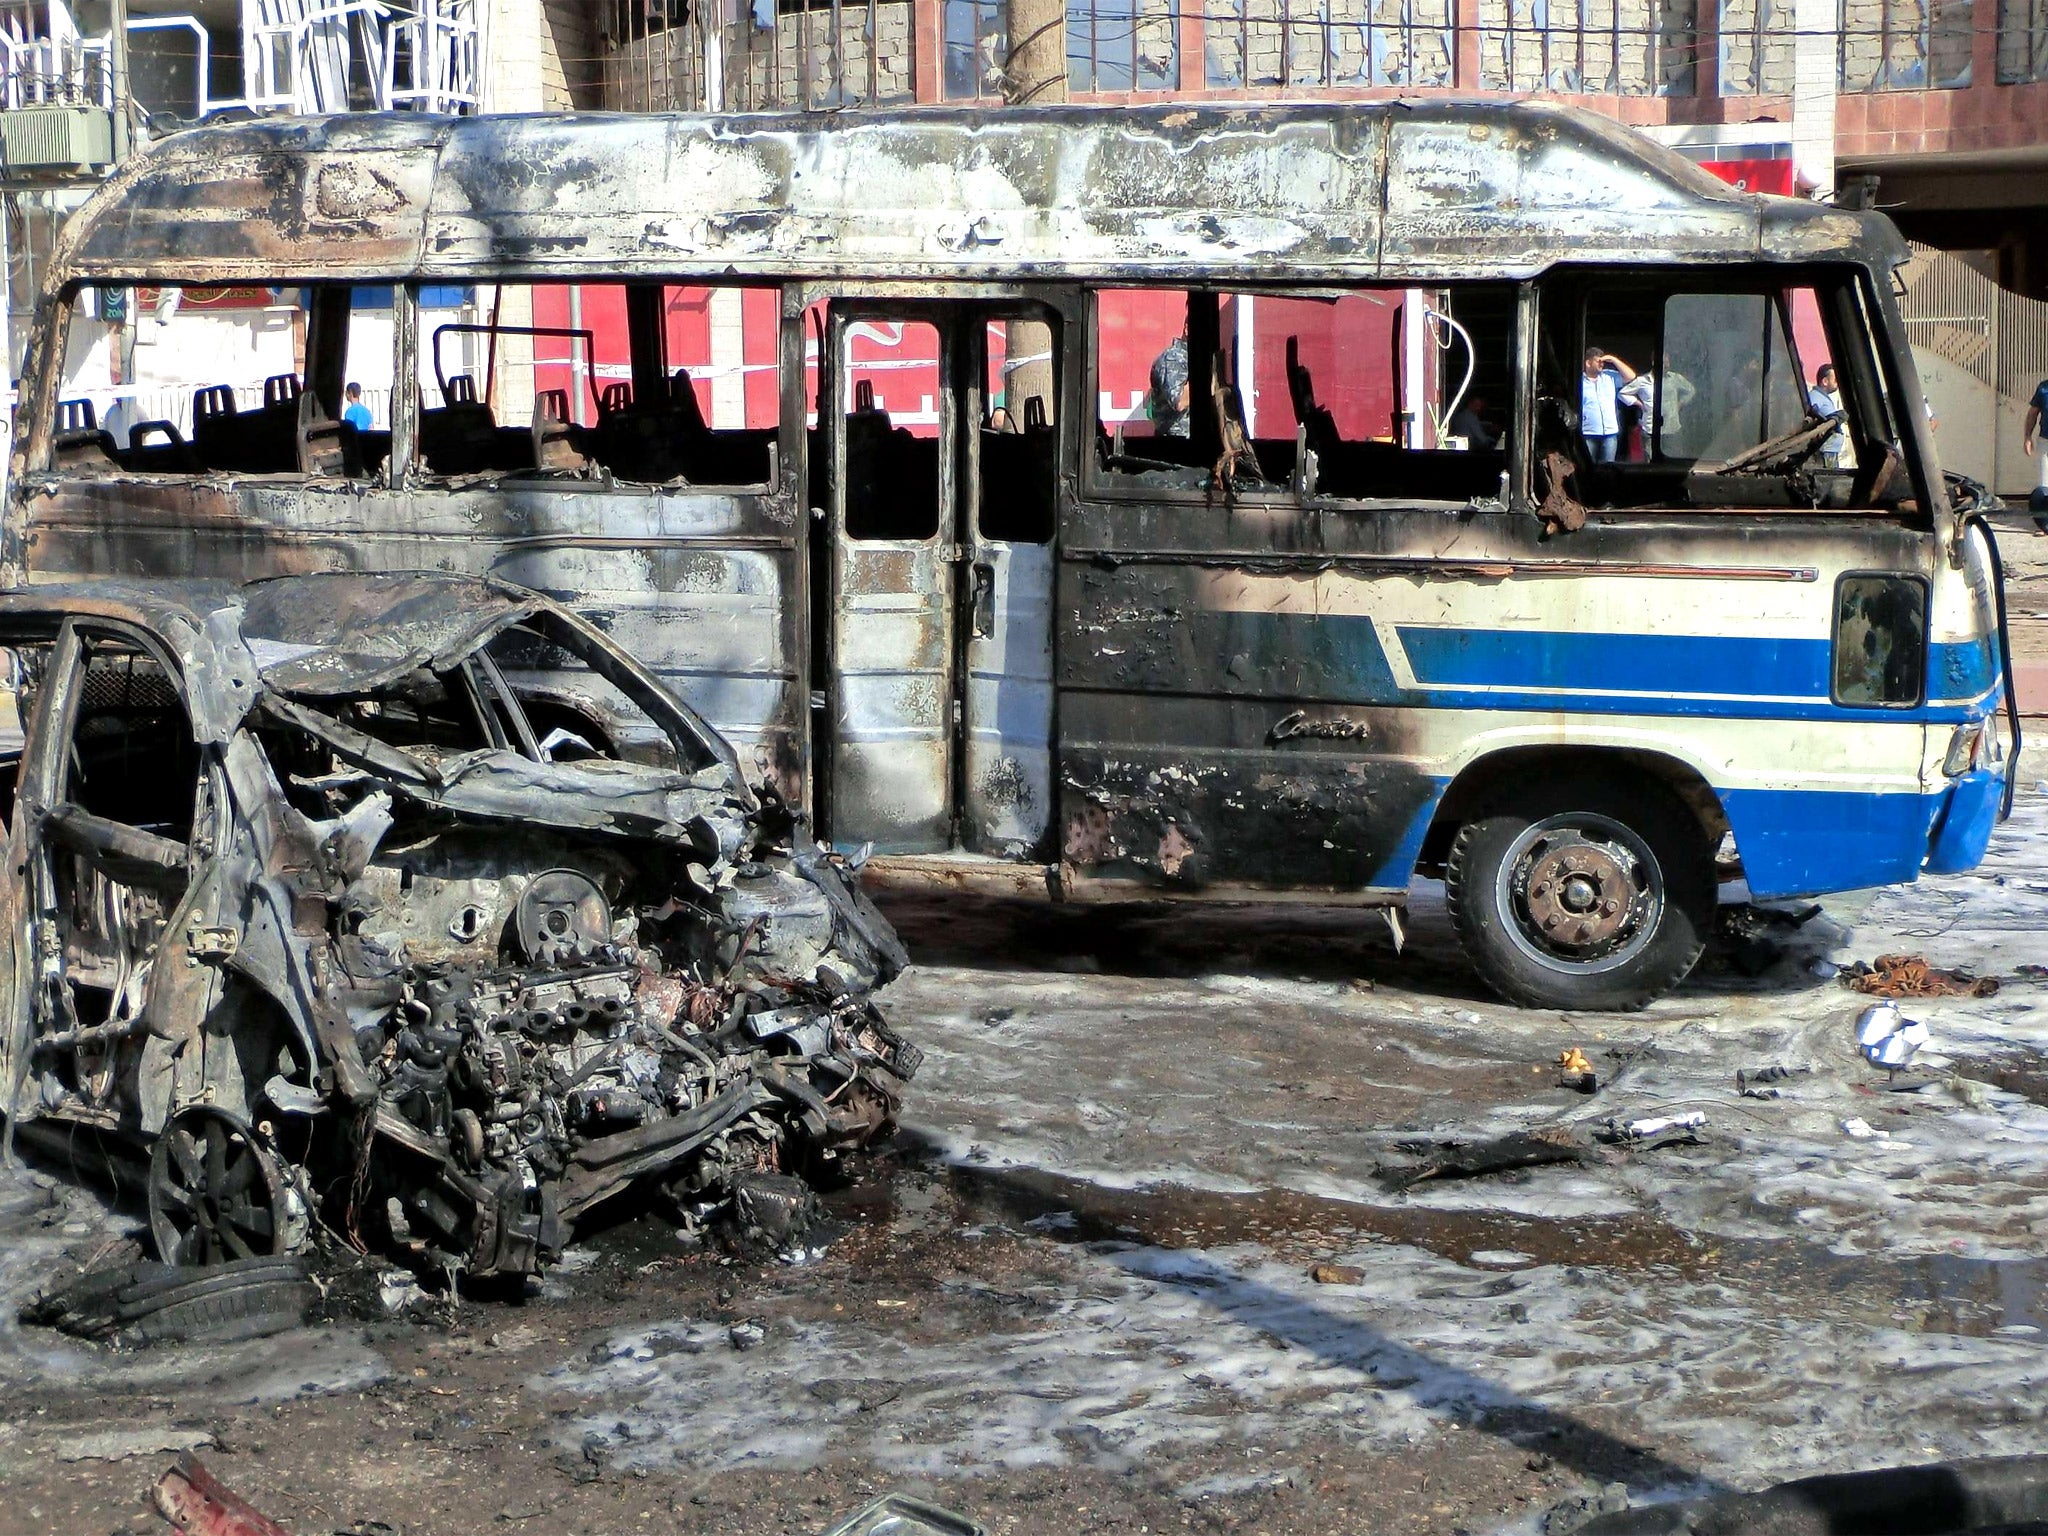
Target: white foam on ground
(1142, 1353)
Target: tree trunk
(1036, 76)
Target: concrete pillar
(1466, 76)
(514, 57)
(728, 359)
(1815, 81)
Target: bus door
(937, 633)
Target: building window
(2022, 41)
(1906, 45)
(1122, 45)
(1589, 47)
(1112, 45)
(1328, 42)
(1757, 39)
(977, 49)
(817, 55)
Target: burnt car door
(115, 813)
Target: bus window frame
(41, 388)
(1103, 484)
(1843, 301)
(1866, 573)
(1100, 483)
(413, 347)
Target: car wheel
(1594, 894)
(214, 1193)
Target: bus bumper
(1962, 831)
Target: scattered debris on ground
(1757, 1082)
(1887, 1038)
(1911, 976)
(1653, 1131)
(200, 1504)
(1574, 1071)
(1336, 1274)
(1753, 937)
(1454, 1160)
(197, 1503)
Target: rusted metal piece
(1912, 976)
(1560, 511)
(200, 1504)
(1580, 895)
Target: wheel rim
(214, 1194)
(1581, 893)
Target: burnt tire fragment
(147, 1303)
(1588, 891)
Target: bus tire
(1592, 891)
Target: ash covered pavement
(1134, 1263)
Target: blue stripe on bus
(1668, 665)
(1339, 658)
(1806, 842)
(1966, 670)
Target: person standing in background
(2036, 447)
(1599, 412)
(355, 413)
(1825, 400)
(1167, 400)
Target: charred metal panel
(1456, 184)
(1008, 779)
(1222, 192)
(937, 194)
(204, 211)
(699, 586)
(892, 707)
(1271, 674)
(1137, 801)
(1156, 628)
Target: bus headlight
(1963, 748)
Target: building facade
(1934, 110)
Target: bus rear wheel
(1593, 893)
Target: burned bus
(1225, 503)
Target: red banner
(1774, 176)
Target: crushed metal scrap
(408, 972)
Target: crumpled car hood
(340, 633)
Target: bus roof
(1428, 190)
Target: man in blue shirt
(1825, 400)
(1599, 416)
(2031, 439)
(355, 413)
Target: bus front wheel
(1587, 891)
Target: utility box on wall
(55, 140)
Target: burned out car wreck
(314, 913)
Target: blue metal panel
(1965, 828)
(1803, 842)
